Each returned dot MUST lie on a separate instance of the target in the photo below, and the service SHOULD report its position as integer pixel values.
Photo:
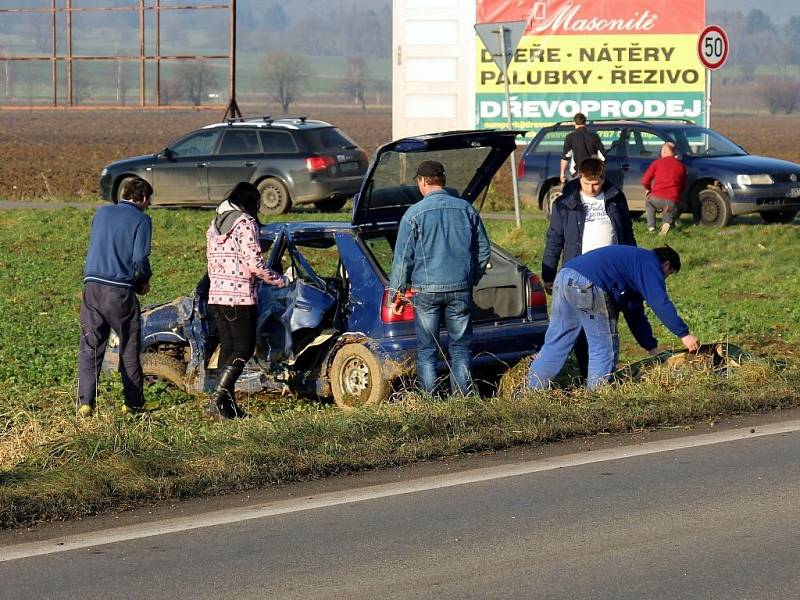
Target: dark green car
(292, 160)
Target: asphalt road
(713, 521)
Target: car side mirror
(167, 153)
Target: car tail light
(319, 163)
(406, 314)
(536, 295)
(521, 168)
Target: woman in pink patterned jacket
(235, 265)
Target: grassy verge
(738, 284)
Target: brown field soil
(58, 155)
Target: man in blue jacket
(590, 213)
(117, 268)
(441, 252)
(588, 293)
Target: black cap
(430, 168)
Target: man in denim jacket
(441, 252)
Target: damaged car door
(292, 318)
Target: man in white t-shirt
(590, 213)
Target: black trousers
(236, 326)
(106, 307)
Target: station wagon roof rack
(265, 118)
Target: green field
(738, 284)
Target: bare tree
(194, 79)
(285, 74)
(357, 80)
(779, 94)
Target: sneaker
(85, 410)
(132, 410)
(651, 229)
(664, 229)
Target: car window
(320, 255)
(328, 138)
(197, 144)
(394, 179)
(240, 142)
(382, 250)
(643, 144)
(610, 136)
(699, 141)
(551, 141)
(275, 142)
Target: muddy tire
(120, 187)
(274, 197)
(160, 367)
(331, 205)
(712, 207)
(357, 378)
(778, 216)
(550, 196)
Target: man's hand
(563, 178)
(398, 303)
(690, 342)
(142, 288)
(548, 287)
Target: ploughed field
(58, 155)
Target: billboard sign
(632, 59)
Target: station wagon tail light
(319, 163)
(536, 295)
(521, 168)
(407, 314)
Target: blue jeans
(456, 307)
(577, 303)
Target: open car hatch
(470, 159)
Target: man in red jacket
(664, 181)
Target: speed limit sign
(712, 47)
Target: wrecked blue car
(330, 332)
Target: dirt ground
(58, 155)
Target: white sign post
(712, 48)
(501, 41)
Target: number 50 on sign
(712, 47)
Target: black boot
(223, 398)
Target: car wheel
(712, 207)
(550, 196)
(357, 378)
(160, 367)
(778, 216)
(330, 205)
(274, 197)
(120, 187)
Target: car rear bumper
(509, 343)
(327, 189)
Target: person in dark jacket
(591, 213)
(578, 146)
(117, 269)
(588, 294)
